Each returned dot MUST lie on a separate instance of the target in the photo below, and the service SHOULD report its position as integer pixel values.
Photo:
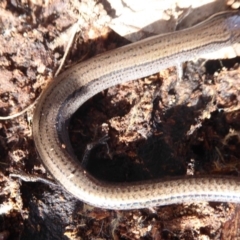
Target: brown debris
(157, 126)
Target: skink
(217, 37)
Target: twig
(75, 28)
(22, 112)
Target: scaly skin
(214, 38)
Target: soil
(158, 126)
